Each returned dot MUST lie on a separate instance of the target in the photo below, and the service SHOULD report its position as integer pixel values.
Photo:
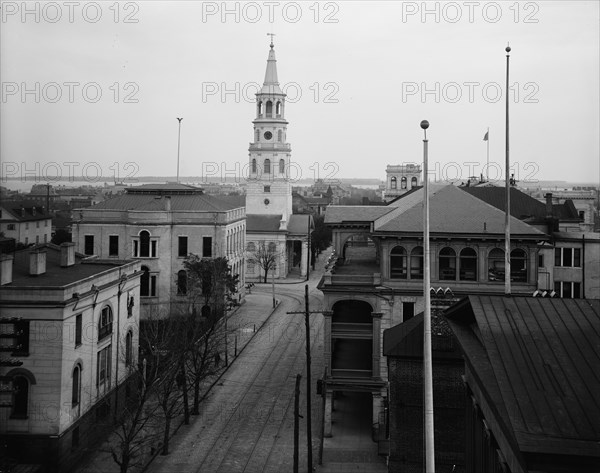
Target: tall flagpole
(427, 362)
(507, 184)
(487, 168)
(178, 144)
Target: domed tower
(269, 189)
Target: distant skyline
(98, 89)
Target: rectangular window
(541, 261)
(104, 359)
(567, 257)
(37, 239)
(22, 338)
(577, 257)
(408, 310)
(113, 245)
(576, 290)
(135, 248)
(183, 246)
(153, 246)
(566, 290)
(557, 257)
(207, 247)
(267, 189)
(10, 226)
(88, 248)
(153, 286)
(78, 326)
(45, 238)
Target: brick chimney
(67, 254)
(549, 204)
(6, 269)
(37, 262)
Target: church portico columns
(304, 259)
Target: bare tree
(265, 256)
(210, 291)
(134, 433)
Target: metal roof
(537, 359)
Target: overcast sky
(360, 76)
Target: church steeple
(271, 84)
(269, 187)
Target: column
(377, 408)
(327, 413)
(304, 258)
(327, 341)
(376, 371)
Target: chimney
(37, 262)
(549, 204)
(67, 254)
(6, 269)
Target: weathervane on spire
(271, 35)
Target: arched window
(403, 183)
(20, 408)
(129, 348)
(281, 166)
(144, 244)
(76, 386)
(398, 263)
(254, 166)
(251, 247)
(280, 136)
(259, 108)
(496, 265)
(393, 183)
(413, 182)
(105, 323)
(278, 108)
(416, 263)
(182, 283)
(145, 282)
(468, 265)
(269, 109)
(267, 166)
(518, 265)
(447, 264)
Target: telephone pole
(306, 312)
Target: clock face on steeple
(268, 135)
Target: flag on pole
(485, 138)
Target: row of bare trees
(177, 352)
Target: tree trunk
(266, 274)
(124, 466)
(165, 448)
(196, 408)
(184, 387)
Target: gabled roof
(24, 211)
(536, 359)
(354, 213)
(451, 211)
(256, 223)
(300, 224)
(179, 202)
(522, 206)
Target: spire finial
(271, 35)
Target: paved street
(246, 423)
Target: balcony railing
(104, 331)
(373, 279)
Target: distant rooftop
(169, 188)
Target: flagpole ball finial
(424, 124)
(507, 49)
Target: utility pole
(296, 421)
(178, 144)
(507, 288)
(306, 312)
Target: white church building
(270, 223)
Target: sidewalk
(242, 326)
